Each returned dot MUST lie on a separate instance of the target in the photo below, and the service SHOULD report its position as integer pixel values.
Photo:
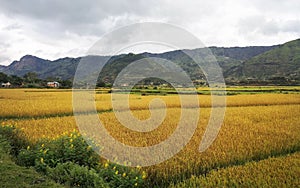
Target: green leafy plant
(71, 161)
(15, 137)
(121, 176)
(68, 148)
(72, 174)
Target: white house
(8, 84)
(52, 84)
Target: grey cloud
(4, 45)
(260, 25)
(279, 7)
(291, 26)
(13, 26)
(269, 27)
(165, 35)
(76, 16)
(4, 59)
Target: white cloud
(54, 29)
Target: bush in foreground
(69, 160)
(74, 175)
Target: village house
(52, 84)
(8, 84)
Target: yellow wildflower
(106, 165)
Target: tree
(3, 77)
(101, 84)
(31, 77)
(66, 83)
(15, 80)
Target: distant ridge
(279, 65)
(267, 64)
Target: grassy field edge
(13, 175)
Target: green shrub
(15, 137)
(71, 161)
(67, 148)
(26, 157)
(74, 175)
(71, 148)
(121, 176)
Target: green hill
(258, 65)
(280, 65)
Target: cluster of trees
(31, 80)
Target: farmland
(260, 132)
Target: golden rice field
(31, 102)
(252, 174)
(255, 128)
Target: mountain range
(278, 64)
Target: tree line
(31, 80)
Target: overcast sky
(59, 28)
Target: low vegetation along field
(258, 144)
